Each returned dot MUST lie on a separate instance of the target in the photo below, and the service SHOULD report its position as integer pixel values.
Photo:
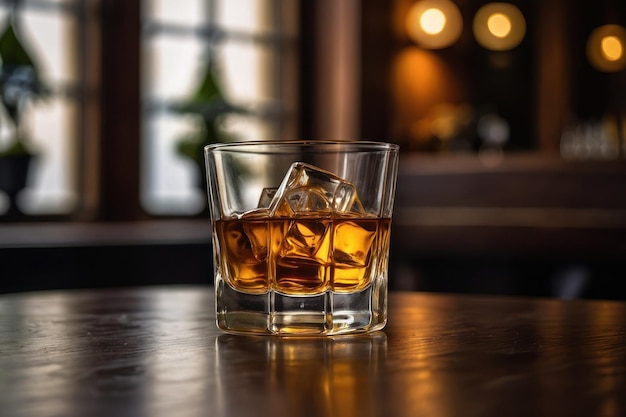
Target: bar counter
(155, 351)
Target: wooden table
(155, 351)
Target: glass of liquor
(301, 235)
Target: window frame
(109, 124)
(121, 129)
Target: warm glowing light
(433, 21)
(499, 26)
(605, 48)
(434, 24)
(612, 48)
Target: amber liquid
(302, 256)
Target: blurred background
(510, 117)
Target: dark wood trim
(553, 78)
(121, 114)
(307, 74)
(377, 49)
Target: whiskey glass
(300, 235)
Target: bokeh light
(434, 24)
(605, 48)
(499, 26)
(433, 21)
(611, 48)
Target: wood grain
(155, 351)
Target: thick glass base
(328, 313)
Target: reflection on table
(155, 351)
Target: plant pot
(14, 178)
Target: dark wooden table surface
(155, 351)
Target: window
(54, 33)
(107, 135)
(246, 44)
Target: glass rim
(270, 146)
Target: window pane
(177, 47)
(54, 189)
(49, 35)
(247, 71)
(250, 128)
(246, 15)
(170, 183)
(172, 66)
(181, 12)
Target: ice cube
(346, 199)
(257, 230)
(353, 242)
(302, 200)
(307, 189)
(307, 239)
(304, 255)
(266, 197)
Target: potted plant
(209, 106)
(19, 84)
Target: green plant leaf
(208, 100)
(208, 89)
(19, 79)
(12, 51)
(17, 148)
(208, 106)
